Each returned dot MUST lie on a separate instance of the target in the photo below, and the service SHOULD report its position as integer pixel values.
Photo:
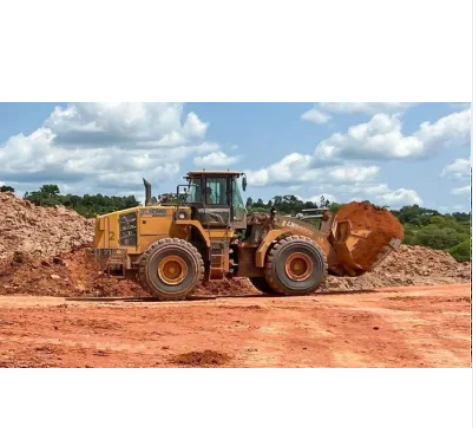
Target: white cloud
(316, 116)
(321, 112)
(215, 159)
(382, 138)
(105, 147)
(465, 190)
(296, 169)
(459, 169)
(103, 124)
(396, 198)
(377, 193)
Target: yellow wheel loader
(204, 233)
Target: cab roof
(213, 172)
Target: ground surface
(393, 327)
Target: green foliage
(5, 188)
(429, 228)
(416, 215)
(50, 189)
(462, 251)
(87, 205)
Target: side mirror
(244, 183)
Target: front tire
(295, 266)
(170, 269)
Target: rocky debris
(410, 265)
(39, 232)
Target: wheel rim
(298, 266)
(172, 270)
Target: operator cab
(215, 198)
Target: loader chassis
(172, 247)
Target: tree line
(426, 227)
(87, 205)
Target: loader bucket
(363, 236)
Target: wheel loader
(205, 234)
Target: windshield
(195, 194)
(238, 205)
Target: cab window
(216, 191)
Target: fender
(267, 241)
(197, 225)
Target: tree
(5, 188)
(249, 202)
(86, 205)
(324, 202)
(50, 189)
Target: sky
(392, 154)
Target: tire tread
(270, 260)
(164, 242)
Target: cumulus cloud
(343, 182)
(321, 112)
(297, 169)
(459, 169)
(103, 124)
(382, 138)
(215, 159)
(105, 147)
(377, 193)
(393, 198)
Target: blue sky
(390, 153)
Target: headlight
(182, 216)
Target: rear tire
(295, 266)
(262, 285)
(170, 269)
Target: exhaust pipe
(148, 193)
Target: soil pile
(230, 287)
(28, 231)
(383, 227)
(66, 275)
(410, 265)
(207, 358)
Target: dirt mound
(230, 287)
(39, 232)
(201, 359)
(410, 265)
(66, 275)
(382, 224)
